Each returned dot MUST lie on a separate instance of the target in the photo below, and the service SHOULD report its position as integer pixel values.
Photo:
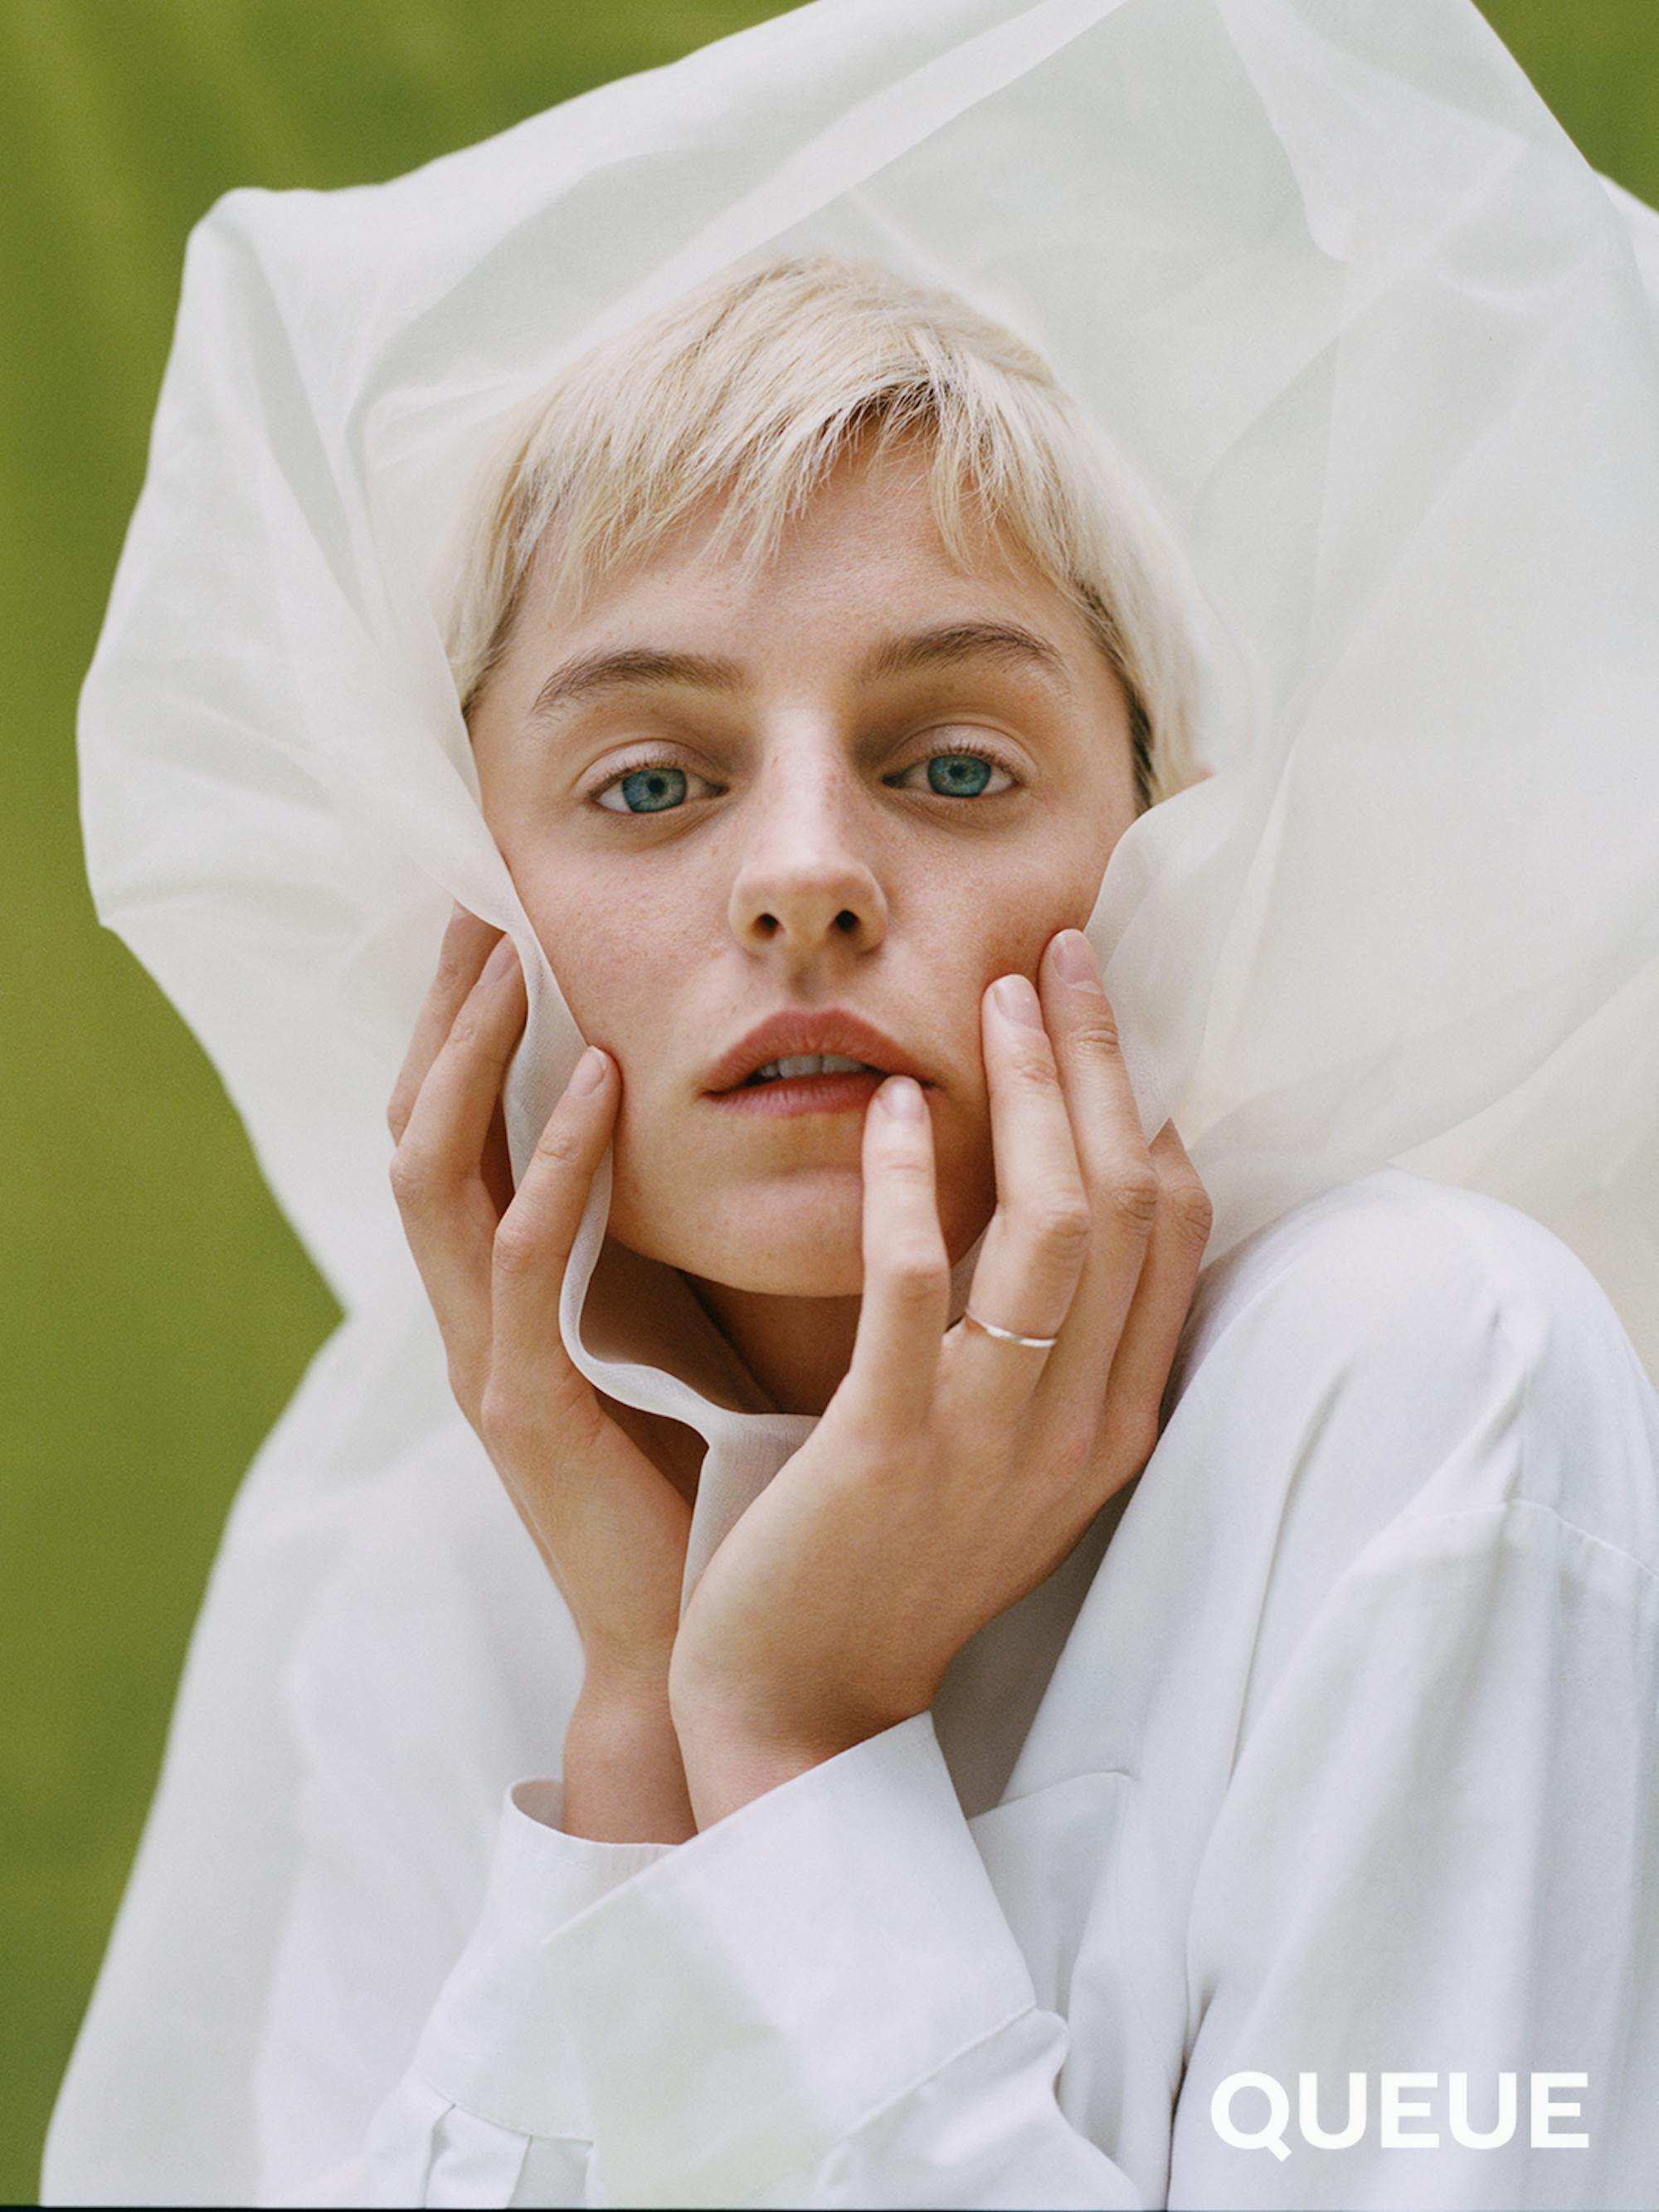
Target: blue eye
(646, 791)
(960, 775)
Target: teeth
(811, 1063)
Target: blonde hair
(750, 388)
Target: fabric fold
(812, 1955)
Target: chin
(785, 1275)
(798, 1238)
(785, 1241)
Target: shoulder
(1440, 1347)
(1426, 1276)
(1396, 1249)
(1395, 1375)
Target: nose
(807, 883)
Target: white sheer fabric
(1381, 347)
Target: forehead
(865, 554)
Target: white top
(1347, 1764)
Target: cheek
(618, 969)
(1001, 921)
(1001, 928)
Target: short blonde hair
(750, 388)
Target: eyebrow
(644, 667)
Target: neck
(796, 1349)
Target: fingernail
(588, 1073)
(1017, 1001)
(1075, 962)
(900, 1097)
(499, 962)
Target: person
(787, 777)
(902, 1674)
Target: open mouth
(808, 1060)
(809, 1063)
(803, 1083)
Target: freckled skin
(673, 932)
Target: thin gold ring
(1009, 1335)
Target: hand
(611, 1525)
(953, 1472)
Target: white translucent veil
(1382, 349)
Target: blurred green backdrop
(157, 1312)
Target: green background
(156, 1310)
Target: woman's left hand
(952, 1471)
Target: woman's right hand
(609, 1524)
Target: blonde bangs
(747, 391)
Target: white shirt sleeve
(816, 2000)
(491, 2028)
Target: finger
(530, 1367)
(1120, 1176)
(1146, 1349)
(449, 1214)
(1034, 1251)
(907, 1269)
(467, 943)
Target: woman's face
(862, 783)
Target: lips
(811, 1034)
